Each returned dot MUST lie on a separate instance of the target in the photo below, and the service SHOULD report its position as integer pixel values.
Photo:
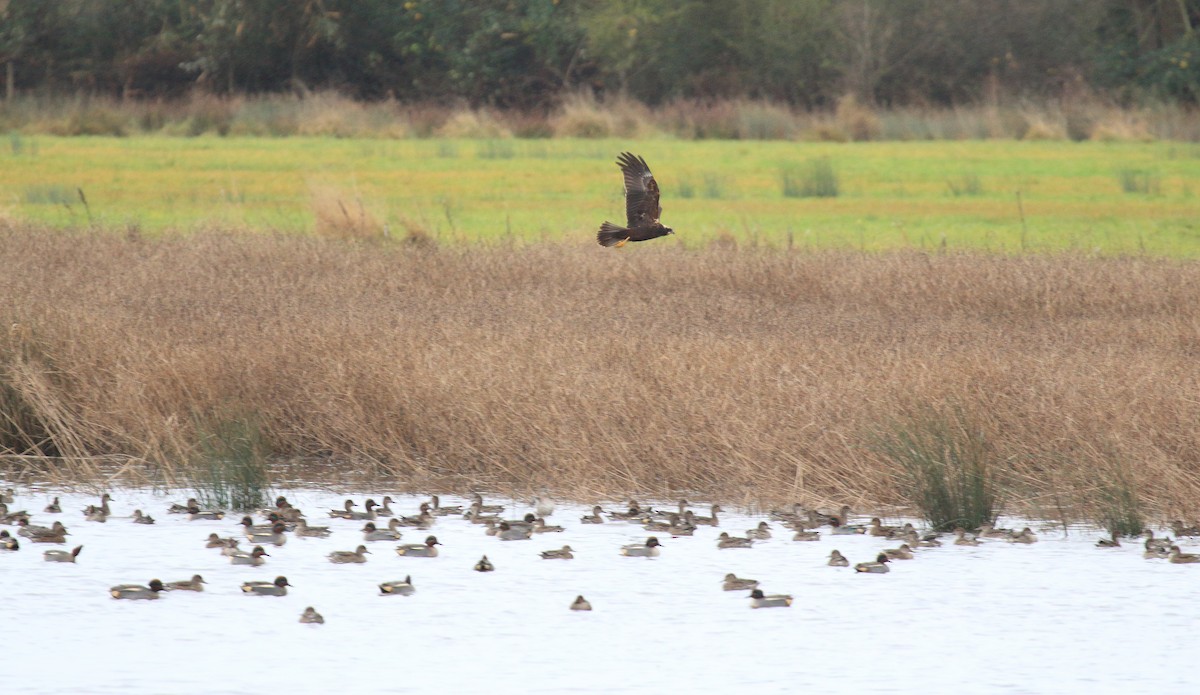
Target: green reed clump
(229, 469)
(1139, 181)
(966, 185)
(945, 468)
(815, 179)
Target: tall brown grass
(751, 375)
(582, 115)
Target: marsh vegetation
(752, 375)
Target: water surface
(1057, 616)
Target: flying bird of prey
(641, 206)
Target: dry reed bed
(756, 377)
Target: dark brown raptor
(641, 206)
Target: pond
(1059, 615)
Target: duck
(840, 529)
(310, 616)
(648, 549)
(343, 513)
(785, 516)
(137, 591)
(438, 510)
(903, 533)
(725, 541)
(195, 513)
(385, 509)
(633, 513)
(484, 565)
(281, 505)
(368, 515)
(877, 567)
(7, 517)
(278, 587)
(660, 526)
(836, 559)
(53, 538)
(423, 519)
(1111, 542)
(7, 542)
(904, 552)
(507, 532)
(54, 507)
(760, 600)
(140, 518)
(683, 505)
(62, 555)
(540, 526)
(877, 528)
(425, 549)
(989, 530)
(1157, 543)
(8, 496)
(1025, 536)
(341, 557)
(761, 533)
(370, 533)
(596, 517)
(102, 508)
(94, 513)
(254, 557)
(929, 540)
(564, 553)
(580, 604)
(250, 528)
(477, 501)
(709, 520)
(732, 582)
(527, 521)
(1179, 529)
(961, 537)
(185, 508)
(807, 536)
(684, 527)
(1181, 558)
(303, 530)
(196, 583)
(275, 536)
(403, 588)
(475, 516)
(543, 506)
(215, 541)
(30, 531)
(1155, 553)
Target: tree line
(527, 53)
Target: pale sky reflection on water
(1058, 616)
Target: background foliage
(526, 53)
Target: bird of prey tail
(612, 235)
(641, 206)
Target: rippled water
(1057, 616)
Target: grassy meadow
(1110, 198)
(962, 327)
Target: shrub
(229, 470)
(944, 467)
(815, 179)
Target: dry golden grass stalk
(750, 375)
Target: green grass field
(1094, 197)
